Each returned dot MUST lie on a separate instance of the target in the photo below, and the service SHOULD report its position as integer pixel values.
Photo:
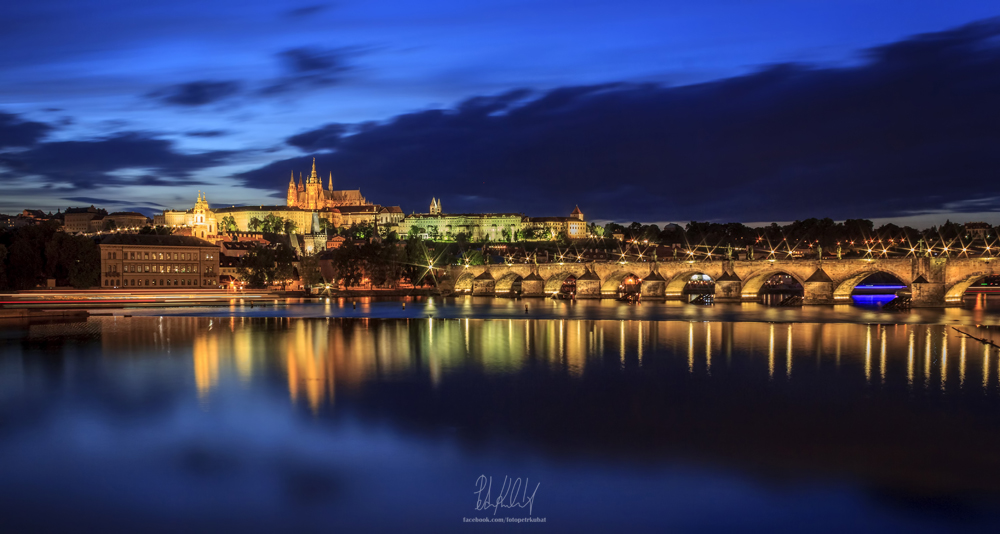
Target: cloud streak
(17, 132)
(197, 93)
(129, 158)
(911, 130)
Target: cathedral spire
(301, 187)
(291, 180)
(331, 181)
(313, 178)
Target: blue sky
(203, 93)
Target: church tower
(314, 190)
(293, 193)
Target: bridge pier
(484, 284)
(532, 286)
(588, 286)
(817, 289)
(927, 294)
(653, 287)
(728, 288)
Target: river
(316, 417)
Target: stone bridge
(934, 282)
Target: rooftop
(152, 240)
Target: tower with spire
(293, 194)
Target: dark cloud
(196, 93)
(308, 67)
(17, 132)
(326, 137)
(96, 201)
(911, 130)
(307, 11)
(98, 162)
(206, 133)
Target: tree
(110, 225)
(290, 226)
(3, 268)
(73, 260)
(348, 265)
(433, 233)
(309, 271)
(26, 263)
(255, 224)
(229, 224)
(284, 269)
(326, 226)
(257, 267)
(272, 224)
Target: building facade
(127, 220)
(77, 220)
(158, 261)
(488, 226)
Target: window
(133, 282)
(131, 255)
(147, 282)
(145, 255)
(114, 255)
(168, 281)
(161, 255)
(175, 256)
(147, 268)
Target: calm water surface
(283, 419)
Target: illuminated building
(436, 224)
(160, 261)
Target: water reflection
(713, 396)
(316, 356)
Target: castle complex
(312, 196)
(312, 209)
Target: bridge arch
(611, 283)
(956, 292)
(554, 282)
(464, 282)
(675, 285)
(508, 282)
(845, 288)
(755, 282)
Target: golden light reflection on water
(317, 358)
(910, 357)
(868, 354)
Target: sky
(656, 111)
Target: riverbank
(26, 314)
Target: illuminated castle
(311, 195)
